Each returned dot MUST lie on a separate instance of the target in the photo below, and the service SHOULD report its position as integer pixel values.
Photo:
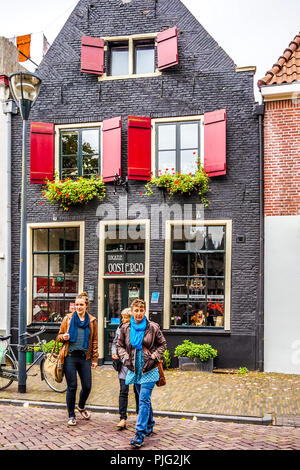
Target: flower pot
(29, 357)
(185, 363)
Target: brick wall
(282, 158)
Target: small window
(119, 59)
(178, 146)
(79, 152)
(144, 57)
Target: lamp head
(24, 87)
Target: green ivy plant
(48, 346)
(180, 183)
(193, 350)
(70, 192)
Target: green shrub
(48, 347)
(167, 359)
(192, 350)
(243, 370)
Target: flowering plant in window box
(71, 192)
(181, 183)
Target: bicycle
(9, 365)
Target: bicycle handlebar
(42, 330)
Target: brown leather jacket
(153, 340)
(92, 352)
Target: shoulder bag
(162, 379)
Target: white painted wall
(282, 294)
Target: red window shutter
(92, 55)
(41, 151)
(111, 156)
(167, 48)
(139, 148)
(215, 143)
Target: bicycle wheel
(8, 372)
(56, 386)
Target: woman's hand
(153, 356)
(94, 365)
(115, 357)
(66, 336)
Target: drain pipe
(9, 108)
(259, 111)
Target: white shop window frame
(168, 260)
(30, 228)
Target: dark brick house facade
(204, 80)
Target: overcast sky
(254, 32)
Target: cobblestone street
(32, 428)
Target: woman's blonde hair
(84, 296)
(126, 312)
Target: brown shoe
(122, 424)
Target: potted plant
(70, 192)
(166, 359)
(193, 356)
(180, 183)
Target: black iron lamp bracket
(120, 181)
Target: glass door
(119, 293)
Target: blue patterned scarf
(137, 331)
(75, 323)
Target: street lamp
(24, 87)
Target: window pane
(90, 141)
(197, 317)
(189, 136)
(180, 314)
(119, 61)
(215, 264)
(56, 239)
(144, 59)
(215, 289)
(57, 310)
(179, 264)
(69, 140)
(179, 288)
(40, 239)
(198, 261)
(167, 137)
(166, 162)
(40, 263)
(72, 238)
(90, 165)
(215, 238)
(69, 167)
(188, 161)
(40, 310)
(215, 314)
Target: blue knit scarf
(75, 323)
(137, 331)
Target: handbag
(162, 379)
(117, 364)
(53, 366)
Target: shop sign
(116, 264)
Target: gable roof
(287, 67)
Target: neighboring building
(280, 89)
(8, 64)
(131, 88)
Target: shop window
(55, 272)
(125, 250)
(79, 152)
(178, 146)
(198, 276)
(131, 57)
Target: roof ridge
(282, 60)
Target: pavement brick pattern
(253, 394)
(36, 428)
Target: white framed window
(55, 269)
(177, 144)
(78, 150)
(197, 274)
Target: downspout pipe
(9, 108)
(259, 111)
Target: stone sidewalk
(35, 428)
(230, 395)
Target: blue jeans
(72, 365)
(145, 421)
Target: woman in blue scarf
(140, 347)
(78, 331)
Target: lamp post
(24, 87)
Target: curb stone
(266, 420)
